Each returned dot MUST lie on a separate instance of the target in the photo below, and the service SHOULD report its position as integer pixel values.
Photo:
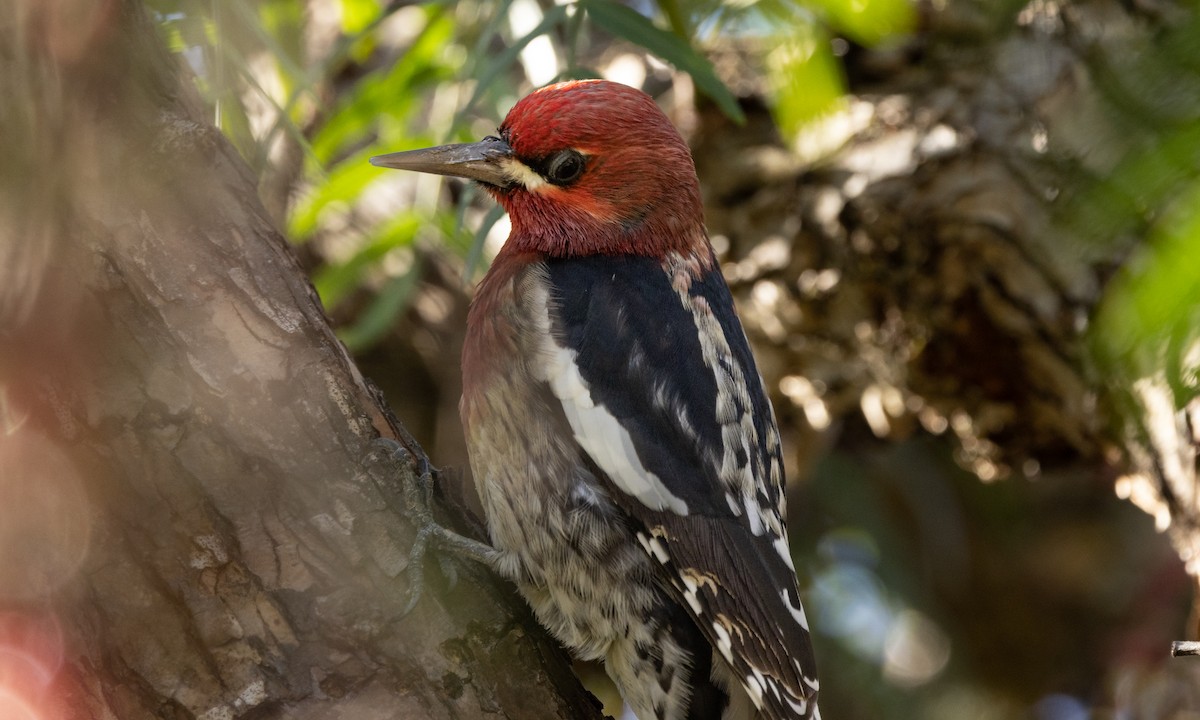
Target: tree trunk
(187, 528)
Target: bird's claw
(415, 572)
(415, 477)
(417, 497)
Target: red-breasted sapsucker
(621, 441)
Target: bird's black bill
(482, 161)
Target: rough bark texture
(186, 526)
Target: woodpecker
(622, 444)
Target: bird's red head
(583, 168)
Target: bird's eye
(565, 167)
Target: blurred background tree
(964, 240)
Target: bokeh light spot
(45, 524)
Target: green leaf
(626, 23)
(335, 282)
(379, 316)
(1102, 211)
(805, 77)
(388, 95)
(276, 46)
(503, 61)
(1155, 301)
(344, 184)
(357, 15)
(284, 22)
(869, 22)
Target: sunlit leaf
(868, 22)
(174, 37)
(626, 23)
(806, 79)
(344, 184)
(392, 94)
(283, 22)
(289, 62)
(357, 15)
(1155, 301)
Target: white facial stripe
(522, 174)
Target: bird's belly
(567, 547)
(578, 567)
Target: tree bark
(187, 526)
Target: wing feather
(658, 384)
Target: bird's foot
(416, 494)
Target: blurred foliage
(804, 73)
(1150, 320)
(1148, 325)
